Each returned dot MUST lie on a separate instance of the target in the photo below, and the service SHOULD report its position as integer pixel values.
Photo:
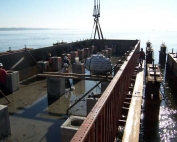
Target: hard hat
(1, 64)
(65, 65)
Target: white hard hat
(1, 64)
(65, 65)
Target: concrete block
(91, 101)
(80, 69)
(5, 130)
(12, 81)
(55, 87)
(56, 63)
(44, 65)
(70, 127)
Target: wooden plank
(79, 75)
(131, 132)
(154, 74)
(75, 77)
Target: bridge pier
(162, 55)
(152, 93)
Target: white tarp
(98, 63)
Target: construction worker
(66, 60)
(49, 59)
(65, 70)
(141, 57)
(3, 75)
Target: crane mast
(96, 15)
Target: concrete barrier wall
(27, 72)
(22, 60)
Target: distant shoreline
(14, 29)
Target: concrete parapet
(70, 127)
(55, 87)
(12, 81)
(5, 130)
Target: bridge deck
(131, 132)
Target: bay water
(38, 38)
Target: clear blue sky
(77, 14)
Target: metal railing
(101, 124)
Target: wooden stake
(4, 96)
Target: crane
(96, 15)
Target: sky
(115, 15)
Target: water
(166, 129)
(17, 39)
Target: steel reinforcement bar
(101, 124)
